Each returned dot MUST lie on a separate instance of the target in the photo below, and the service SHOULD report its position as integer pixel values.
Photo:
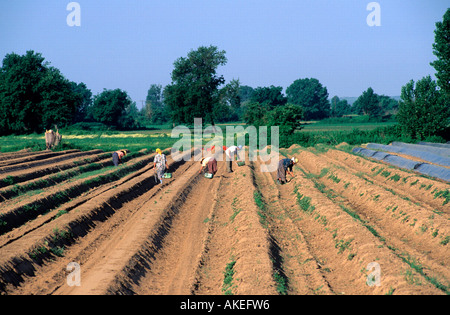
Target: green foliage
(269, 97)
(229, 106)
(441, 49)
(339, 107)
(114, 108)
(228, 278)
(194, 89)
(154, 110)
(34, 96)
(423, 111)
(287, 117)
(312, 96)
(369, 104)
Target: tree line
(35, 96)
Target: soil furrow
(83, 224)
(301, 269)
(405, 226)
(238, 258)
(21, 176)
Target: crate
(167, 175)
(209, 175)
(242, 163)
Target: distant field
(319, 127)
(157, 137)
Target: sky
(132, 44)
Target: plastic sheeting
(424, 155)
(445, 152)
(434, 171)
(423, 168)
(402, 162)
(439, 145)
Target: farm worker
(58, 138)
(230, 153)
(49, 139)
(160, 164)
(285, 166)
(210, 163)
(117, 156)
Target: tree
(194, 90)
(441, 49)
(154, 109)
(85, 96)
(339, 107)
(423, 111)
(369, 104)
(312, 96)
(387, 103)
(287, 117)
(109, 107)
(269, 97)
(129, 120)
(229, 106)
(245, 93)
(33, 95)
(255, 114)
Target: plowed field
(343, 225)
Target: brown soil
(318, 234)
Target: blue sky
(133, 44)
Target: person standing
(160, 164)
(230, 156)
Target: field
(343, 225)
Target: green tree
(312, 96)
(269, 97)
(387, 103)
(194, 90)
(130, 118)
(109, 107)
(287, 117)
(423, 111)
(33, 95)
(339, 107)
(369, 104)
(154, 109)
(229, 106)
(255, 114)
(441, 49)
(85, 96)
(245, 93)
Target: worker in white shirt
(230, 156)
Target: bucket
(209, 175)
(167, 175)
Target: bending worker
(210, 163)
(117, 156)
(285, 166)
(160, 164)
